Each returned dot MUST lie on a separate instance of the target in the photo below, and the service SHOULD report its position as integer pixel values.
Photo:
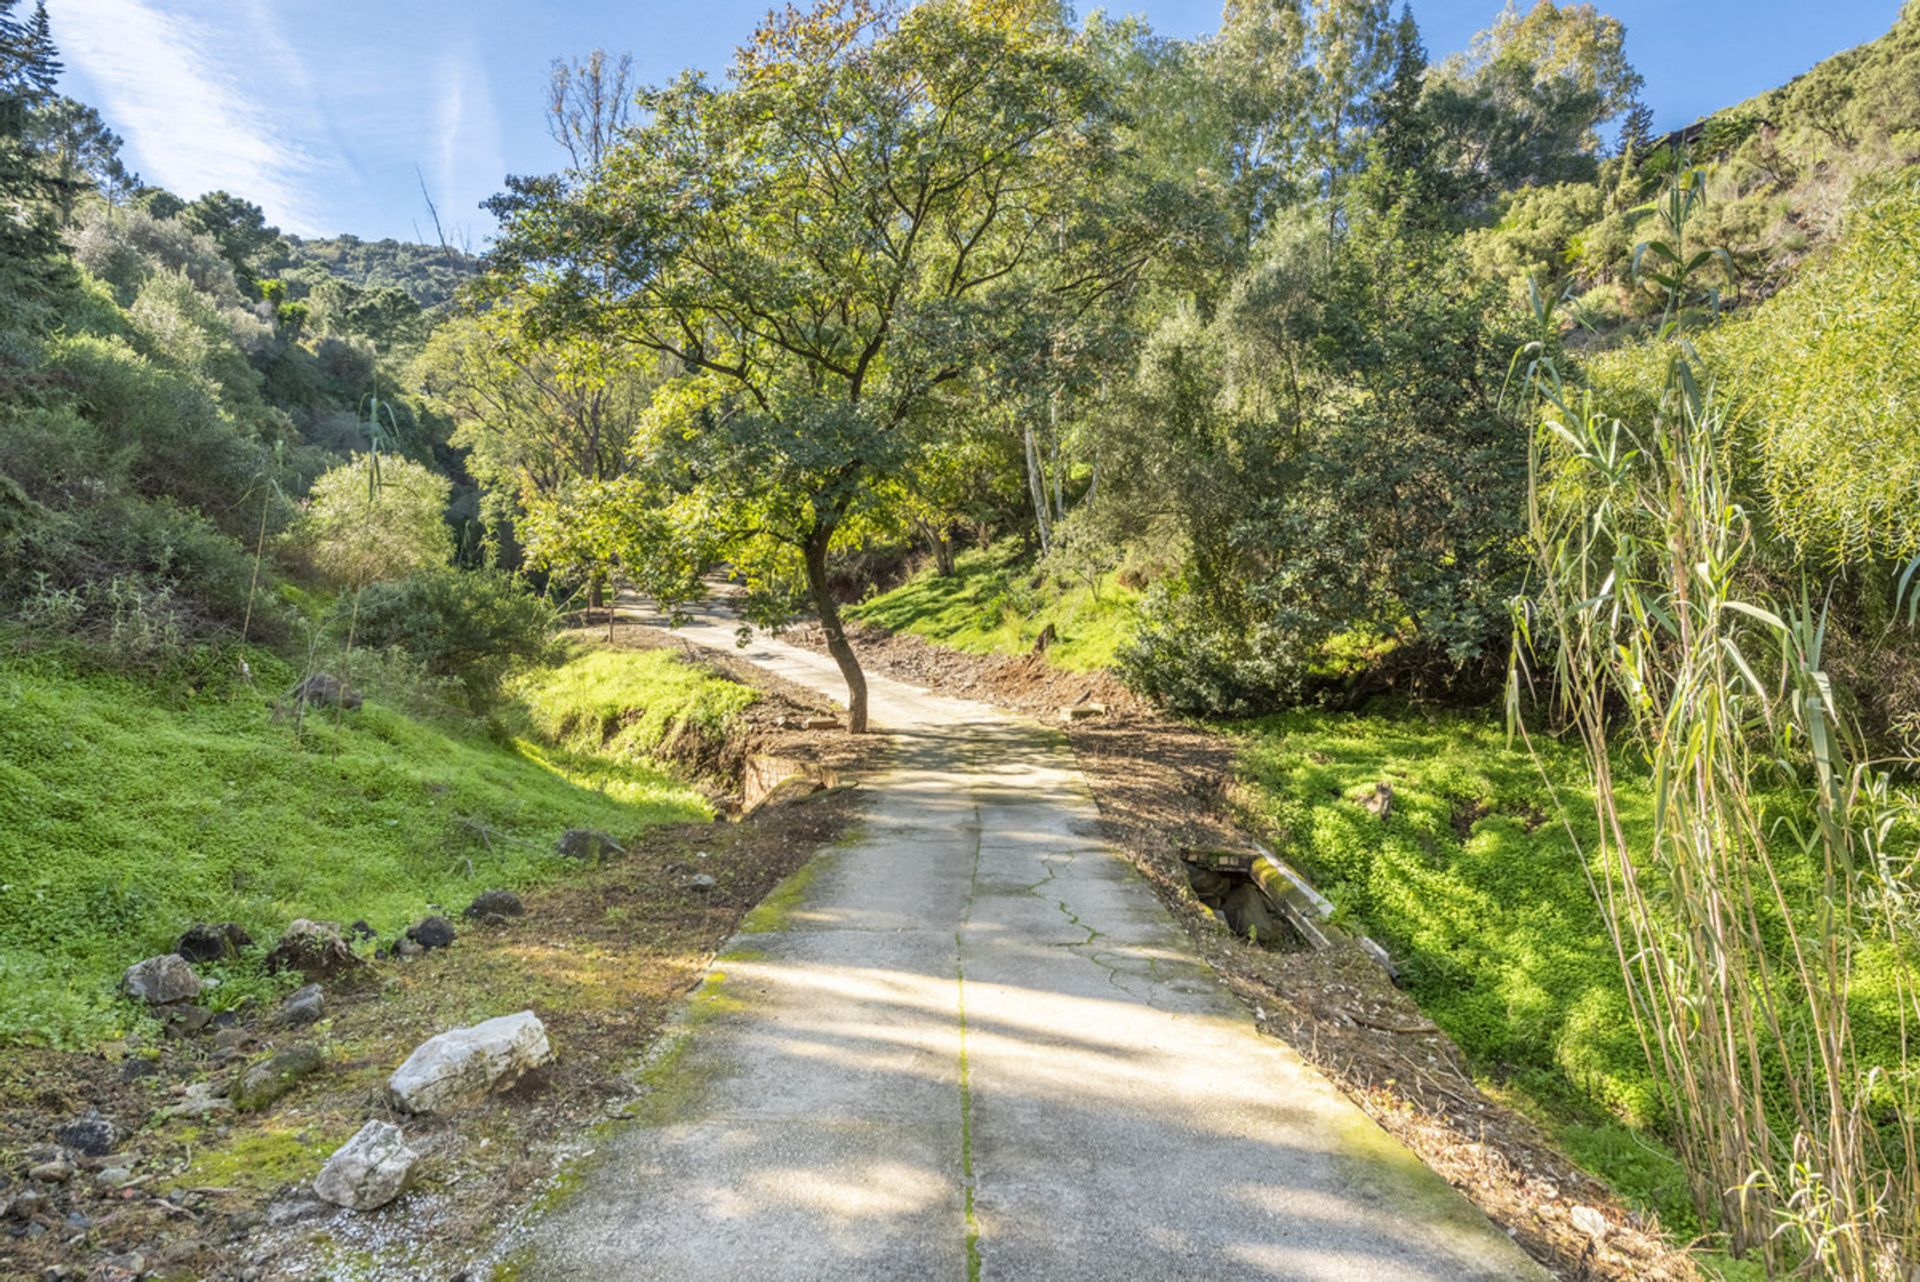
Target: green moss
(775, 911)
(128, 811)
(263, 1159)
(990, 606)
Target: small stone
(360, 930)
(56, 1172)
(369, 1170)
(231, 1039)
(587, 844)
(135, 1068)
(1083, 712)
(313, 948)
(406, 949)
(274, 1076)
(492, 919)
(463, 1064)
(113, 1177)
(1590, 1222)
(303, 1006)
(208, 943)
(499, 903)
(201, 1099)
(162, 979)
(703, 881)
(186, 1018)
(432, 932)
(90, 1134)
(819, 723)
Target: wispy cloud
(467, 125)
(162, 80)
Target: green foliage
(128, 812)
(376, 518)
(610, 706)
(996, 602)
(429, 274)
(473, 626)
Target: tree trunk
(837, 644)
(1037, 487)
(943, 554)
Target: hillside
(428, 274)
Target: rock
(1083, 712)
(406, 949)
(495, 903)
(819, 723)
(369, 1170)
(304, 1005)
(432, 932)
(113, 1177)
(1379, 802)
(55, 1172)
(360, 930)
(1590, 1222)
(1048, 635)
(134, 1069)
(492, 919)
(325, 691)
(162, 979)
(464, 1064)
(274, 1076)
(202, 1099)
(90, 1134)
(702, 881)
(186, 1018)
(587, 844)
(314, 948)
(207, 943)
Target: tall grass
(1754, 935)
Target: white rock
(369, 1170)
(1589, 1222)
(463, 1064)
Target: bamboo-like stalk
(1738, 928)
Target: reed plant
(1767, 924)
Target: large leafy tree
(826, 247)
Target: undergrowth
(131, 808)
(995, 602)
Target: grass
(129, 810)
(991, 606)
(1475, 885)
(588, 703)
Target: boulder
(432, 932)
(369, 1170)
(702, 881)
(274, 1076)
(496, 903)
(304, 1005)
(588, 844)
(464, 1064)
(183, 1018)
(160, 980)
(90, 1135)
(314, 948)
(360, 930)
(204, 942)
(325, 691)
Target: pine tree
(30, 259)
(1636, 134)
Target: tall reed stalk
(1779, 867)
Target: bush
(363, 530)
(472, 625)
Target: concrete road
(971, 1043)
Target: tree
(80, 153)
(30, 263)
(239, 227)
(589, 103)
(822, 247)
(1523, 106)
(375, 518)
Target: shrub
(377, 518)
(472, 625)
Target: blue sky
(331, 113)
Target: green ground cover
(129, 809)
(991, 605)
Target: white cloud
(161, 80)
(468, 127)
